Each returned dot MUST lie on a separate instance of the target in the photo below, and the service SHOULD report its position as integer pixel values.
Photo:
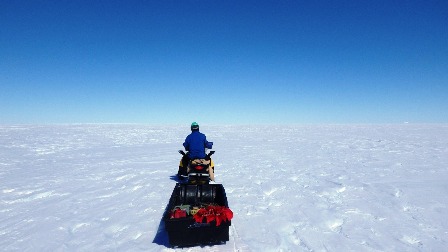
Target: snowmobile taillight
(198, 167)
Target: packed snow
(105, 187)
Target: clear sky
(221, 62)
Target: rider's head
(194, 126)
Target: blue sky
(223, 62)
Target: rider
(196, 143)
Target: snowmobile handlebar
(208, 155)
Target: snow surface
(291, 188)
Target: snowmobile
(198, 212)
(196, 170)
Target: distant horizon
(262, 62)
(204, 126)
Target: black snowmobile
(198, 212)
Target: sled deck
(181, 216)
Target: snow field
(291, 188)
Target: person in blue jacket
(196, 143)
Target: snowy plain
(105, 187)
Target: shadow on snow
(161, 237)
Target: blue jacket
(195, 144)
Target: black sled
(183, 221)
